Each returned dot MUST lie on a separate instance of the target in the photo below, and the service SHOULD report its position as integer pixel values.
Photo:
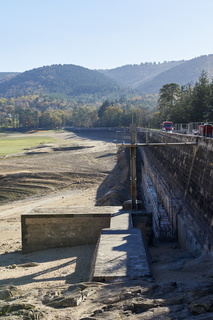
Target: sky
(102, 34)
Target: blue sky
(102, 34)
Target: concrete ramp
(121, 251)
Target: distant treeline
(33, 112)
(180, 104)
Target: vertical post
(146, 136)
(133, 178)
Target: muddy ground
(54, 284)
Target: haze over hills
(7, 75)
(150, 77)
(71, 80)
(137, 74)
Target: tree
(103, 108)
(156, 120)
(169, 95)
(51, 119)
(112, 117)
(210, 107)
(200, 99)
(84, 116)
(182, 111)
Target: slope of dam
(177, 182)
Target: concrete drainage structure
(121, 250)
(63, 227)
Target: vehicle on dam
(167, 126)
(205, 130)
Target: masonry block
(69, 227)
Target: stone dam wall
(177, 184)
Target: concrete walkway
(121, 251)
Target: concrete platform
(45, 228)
(121, 251)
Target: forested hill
(185, 73)
(60, 80)
(7, 75)
(150, 77)
(137, 74)
(72, 81)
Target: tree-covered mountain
(7, 75)
(60, 80)
(185, 73)
(137, 74)
(150, 77)
(74, 81)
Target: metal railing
(191, 128)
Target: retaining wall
(181, 176)
(54, 228)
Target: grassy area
(10, 144)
